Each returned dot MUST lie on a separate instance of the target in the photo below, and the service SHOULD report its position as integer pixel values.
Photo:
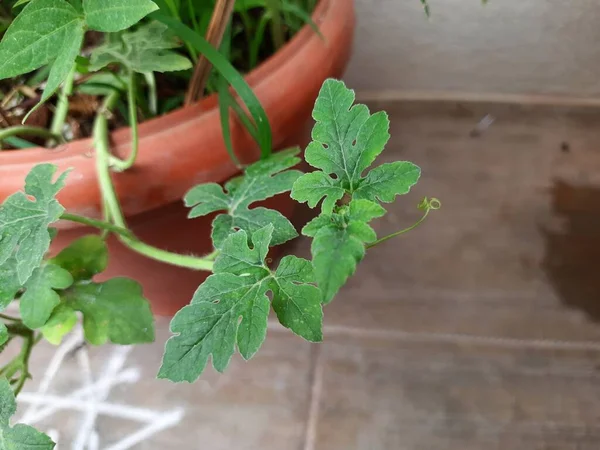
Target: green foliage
(262, 180)
(19, 437)
(61, 322)
(147, 49)
(346, 141)
(46, 32)
(24, 222)
(37, 36)
(40, 297)
(232, 307)
(116, 15)
(114, 310)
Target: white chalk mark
(55, 436)
(84, 435)
(128, 376)
(94, 441)
(70, 343)
(113, 366)
(90, 399)
(316, 393)
(106, 408)
(166, 421)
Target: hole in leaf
(354, 142)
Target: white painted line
(128, 376)
(166, 421)
(112, 367)
(70, 343)
(110, 409)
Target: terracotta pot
(184, 148)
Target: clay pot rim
(258, 76)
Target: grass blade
(227, 71)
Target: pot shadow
(572, 255)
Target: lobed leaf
(262, 180)
(40, 296)
(20, 436)
(231, 307)
(346, 141)
(339, 243)
(114, 311)
(147, 49)
(116, 15)
(24, 221)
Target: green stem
(100, 224)
(28, 344)
(7, 317)
(62, 107)
(112, 202)
(25, 130)
(427, 205)
(20, 363)
(118, 164)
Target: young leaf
(114, 310)
(20, 436)
(148, 49)
(40, 297)
(346, 141)
(232, 307)
(62, 321)
(115, 15)
(83, 258)
(36, 37)
(24, 236)
(262, 180)
(339, 243)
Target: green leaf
(262, 180)
(297, 304)
(388, 180)
(339, 243)
(37, 36)
(114, 310)
(9, 282)
(231, 307)
(61, 322)
(84, 257)
(24, 221)
(19, 437)
(40, 296)
(64, 61)
(312, 187)
(116, 15)
(148, 49)
(3, 334)
(346, 141)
